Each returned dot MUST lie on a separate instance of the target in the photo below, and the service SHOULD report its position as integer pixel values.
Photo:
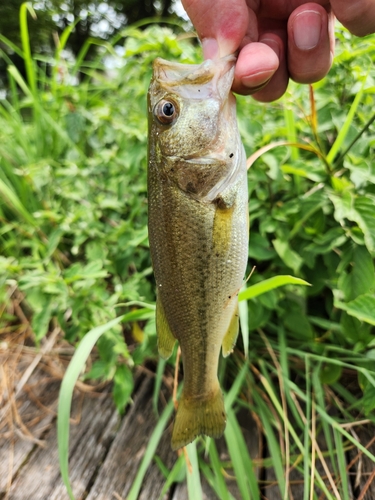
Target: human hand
(276, 39)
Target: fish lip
(175, 73)
(202, 160)
(212, 78)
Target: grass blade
(29, 64)
(292, 138)
(158, 382)
(221, 487)
(273, 445)
(175, 475)
(291, 429)
(14, 203)
(336, 146)
(358, 136)
(193, 478)
(343, 475)
(66, 393)
(320, 395)
(235, 389)
(269, 284)
(243, 310)
(306, 437)
(242, 463)
(291, 130)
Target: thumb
(221, 24)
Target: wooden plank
(28, 420)
(121, 465)
(40, 477)
(106, 451)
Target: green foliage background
(73, 212)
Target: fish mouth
(198, 159)
(174, 73)
(200, 81)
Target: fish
(198, 229)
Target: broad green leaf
(330, 374)
(361, 276)
(258, 315)
(316, 176)
(353, 329)
(41, 319)
(296, 321)
(260, 248)
(363, 307)
(359, 209)
(287, 255)
(365, 208)
(368, 400)
(123, 387)
(344, 205)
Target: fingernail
(258, 80)
(306, 29)
(210, 48)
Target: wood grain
(106, 450)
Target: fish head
(192, 118)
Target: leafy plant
(73, 239)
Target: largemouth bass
(198, 229)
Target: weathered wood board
(106, 451)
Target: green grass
(73, 238)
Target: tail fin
(198, 417)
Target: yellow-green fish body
(198, 229)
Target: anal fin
(230, 338)
(166, 340)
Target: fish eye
(166, 111)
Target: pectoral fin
(230, 338)
(222, 228)
(166, 340)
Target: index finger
(356, 15)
